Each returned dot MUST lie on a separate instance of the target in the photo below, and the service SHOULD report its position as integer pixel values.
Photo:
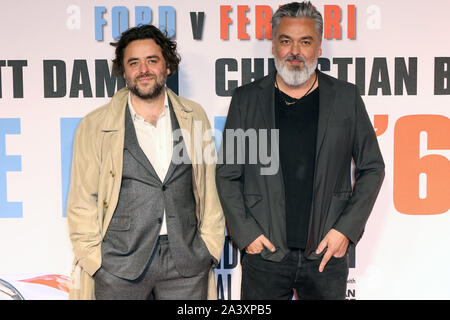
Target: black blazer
(254, 203)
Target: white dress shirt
(156, 142)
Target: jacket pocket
(251, 200)
(337, 205)
(254, 209)
(119, 224)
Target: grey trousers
(160, 280)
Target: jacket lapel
(175, 126)
(266, 100)
(115, 125)
(132, 145)
(327, 96)
(181, 118)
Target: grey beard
(295, 77)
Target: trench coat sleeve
(212, 227)
(243, 228)
(212, 223)
(369, 175)
(82, 204)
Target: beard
(296, 76)
(150, 93)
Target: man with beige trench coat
(143, 212)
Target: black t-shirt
(297, 124)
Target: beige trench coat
(96, 178)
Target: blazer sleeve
(369, 175)
(242, 227)
(82, 206)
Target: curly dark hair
(141, 32)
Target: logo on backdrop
(9, 289)
(421, 143)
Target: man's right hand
(258, 245)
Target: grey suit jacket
(134, 228)
(254, 204)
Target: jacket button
(163, 188)
(105, 204)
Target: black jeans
(268, 280)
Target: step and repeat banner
(55, 67)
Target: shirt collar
(136, 117)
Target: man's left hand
(336, 244)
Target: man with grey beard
(295, 227)
(143, 224)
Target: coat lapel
(115, 125)
(114, 130)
